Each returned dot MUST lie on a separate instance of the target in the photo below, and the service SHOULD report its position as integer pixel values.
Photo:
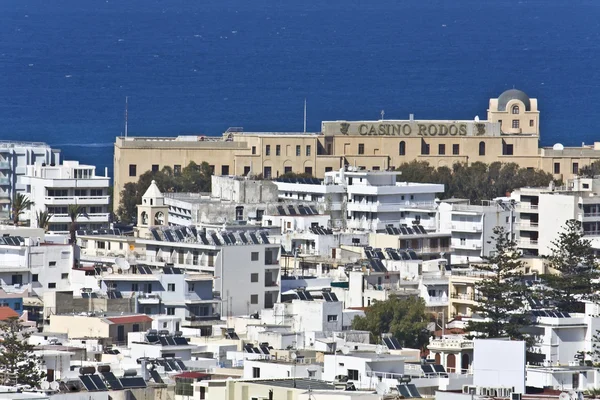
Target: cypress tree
(18, 364)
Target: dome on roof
(513, 94)
(153, 191)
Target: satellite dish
(122, 263)
(564, 396)
(45, 385)
(345, 350)
(54, 385)
(293, 356)
(558, 146)
(109, 270)
(381, 388)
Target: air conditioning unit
(468, 389)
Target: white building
(369, 200)
(471, 227)
(54, 187)
(543, 212)
(14, 159)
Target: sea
(199, 67)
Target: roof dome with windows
(513, 94)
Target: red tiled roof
(130, 319)
(193, 375)
(7, 312)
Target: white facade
(472, 227)
(280, 370)
(54, 188)
(367, 200)
(306, 316)
(15, 157)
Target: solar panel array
(223, 238)
(319, 230)
(329, 297)
(172, 271)
(408, 391)
(552, 314)
(405, 230)
(12, 240)
(305, 181)
(295, 210)
(392, 343)
(434, 370)
(375, 256)
(230, 334)
(144, 270)
(171, 364)
(96, 383)
(263, 348)
(304, 295)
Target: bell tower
(152, 212)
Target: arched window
(144, 218)
(402, 148)
(515, 109)
(159, 218)
(482, 148)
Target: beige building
(509, 134)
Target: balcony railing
(464, 296)
(203, 317)
(467, 227)
(524, 242)
(525, 206)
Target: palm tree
(75, 211)
(43, 219)
(19, 205)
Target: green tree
(19, 205)
(577, 274)
(74, 211)
(295, 175)
(403, 317)
(18, 364)
(417, 171)
(590, 171)
(43, 219)
(501, 294)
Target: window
(171, 287)
(308, 170)
(575, 168)
(246, 170)
(17, 306)
(332, 318)
(177, 169)
(308, 150)
(515, 124)
(253, 299)
(463, 241)
(134, 287)
(255, 372)
(51, 285)
(267, 173)
(52, 263)
(268, 150)
(132, 170)
(254, 277)
(328, 169)
(239, 213)
(191, 287)
(154, 167)
(353, 374)
(34, 278)
(278, 150)
(170, 310)
(424, 148)
(297, 150)
(402, 148)
(361, 148)
(225, 170)
(253, 149)
(212, 169)
(64, 276)
(254, 256)
(482, 148)
(184, 387)
(260, 214)
(376, 168)
(507, 149)
(455, 149)
(557, 168)
(287, 170)
(515, 109)
(441, 149)
(531, 122)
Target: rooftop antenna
(382, 114)
(305, 115)
(126, 101)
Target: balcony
(4, 181)
(5, 165)
(527, 208)
(450, 344)
(211, 317)
(437, 301)
(467, 246)
(92, 217)
(528, 226)
(527, 243)
(466, 296)
(194, 298)
(467, 227)
(83, 200)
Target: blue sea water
(202, 66)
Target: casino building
(510, 134)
